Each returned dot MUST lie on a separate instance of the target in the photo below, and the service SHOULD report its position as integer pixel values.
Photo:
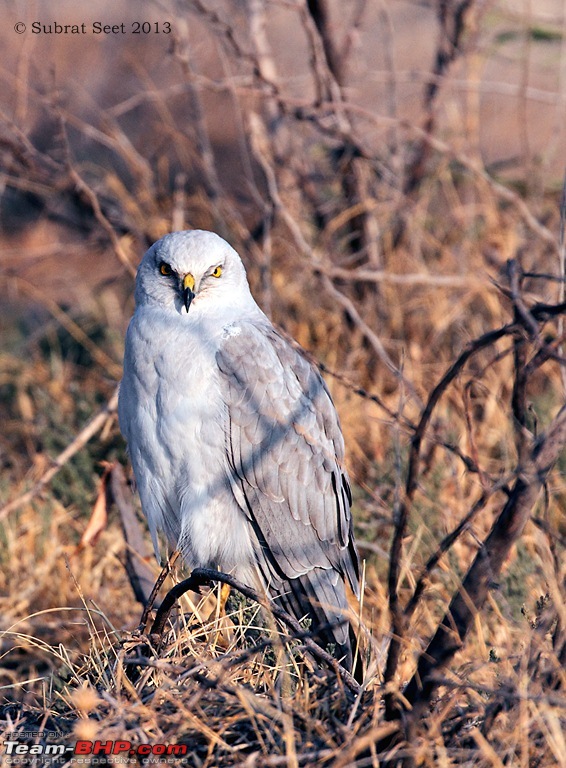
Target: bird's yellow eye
(217, 272)
(165, 268)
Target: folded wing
(286, 455)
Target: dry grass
(385, 283)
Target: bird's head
(187, 269)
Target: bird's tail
(320, 596)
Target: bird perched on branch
(234, 440)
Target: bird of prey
(234, 440)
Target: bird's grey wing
(286, 455)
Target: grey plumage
(234, 439)
(286, 453)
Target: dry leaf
(99, 518)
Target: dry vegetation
(427, 283)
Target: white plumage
(233, 437)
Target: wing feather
(286, 455)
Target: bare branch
(452, 18)
(370, 335)
(486, 567)
(202, 576)
(139, 572)
(445, 545)
(398, 619)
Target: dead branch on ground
(201, 577)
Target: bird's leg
(224, 629)
(224, 595)
(165, 571)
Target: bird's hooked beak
(188, 290)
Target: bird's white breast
(173, 414)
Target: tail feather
(320, 595)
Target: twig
(90, 194)
(452, 22)
(72, 328)
(320, 14)
(86, 434)
(522, 313)
(467, 398)
(139, 573)
(150, 604)
(519, 393)
(380, 276)
(205, 153)
(370, 335)
(446, 543)
(353, 31)
(202, 576)
(397, 417)
(562, 271)
(398, 619)
(487, 564)
(114, 138)
(310, 113)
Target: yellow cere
(189, 282)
